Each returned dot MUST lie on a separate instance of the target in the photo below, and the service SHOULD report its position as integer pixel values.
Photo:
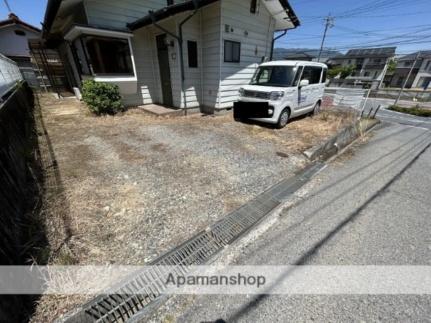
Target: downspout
(179, 38)
(273, 42)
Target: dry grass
(133, 185)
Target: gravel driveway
(132, 186)
(136, 185)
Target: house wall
(15, 45)
(254, 46)
(148, 81)
(116, 14)
(423, 74)
(211, 55)
(214, 84)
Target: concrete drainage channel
(146, 287)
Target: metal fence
(347, 96)
(9, 75)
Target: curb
(342, 139)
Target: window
(232, 51)
(367, 74)
(108, 55)
(312, 74)
(324, 75)
(192, 48)
(278, 76)
(253, 6)
(170, 2)
(297, 76)
(19, 32)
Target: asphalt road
(372, 208)
(393, 116)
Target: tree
(347, 71)
(342, 71)
(392, 65)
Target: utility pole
(407, 79)
(7, 5)
(329, 23)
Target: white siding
(214, 84)
(12, 44)
(211, 54)
(144, 52)
(116, 14)
(255, 45)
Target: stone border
(342, 139)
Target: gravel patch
(136, 185)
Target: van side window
(297, 76)
(324, 75)
(312, 74)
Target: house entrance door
(165, 73)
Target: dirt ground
(135, 185)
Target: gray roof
(371, 52)
(412, 56)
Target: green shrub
(417, 110)
(101, 98)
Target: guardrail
(9, 75)
(347, 96)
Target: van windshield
(281, 76)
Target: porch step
(161, 110)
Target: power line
(7, 5)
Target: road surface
(393, 116)
(370, 209)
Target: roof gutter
(273, 43)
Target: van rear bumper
(243, 110)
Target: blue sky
(362, 23)
(358, 23)
(30, 11)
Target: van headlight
(241, 92)
(276, 95)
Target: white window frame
(78, 31)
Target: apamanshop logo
(215, 280)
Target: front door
(165, 73)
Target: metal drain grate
(138, 292)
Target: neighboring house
(304, 54)
(370, 66)
(420, 76)
(136, 46)
(14, 37)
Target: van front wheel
(283, 119)
(316, 109)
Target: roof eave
(292, 16)
(167, 12)
(189, 5)
(52, 8)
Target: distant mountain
(283, 53)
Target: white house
(420, 75)
(137, 45)
(14, 37)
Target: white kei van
(280, 90)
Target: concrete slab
(161, 110)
